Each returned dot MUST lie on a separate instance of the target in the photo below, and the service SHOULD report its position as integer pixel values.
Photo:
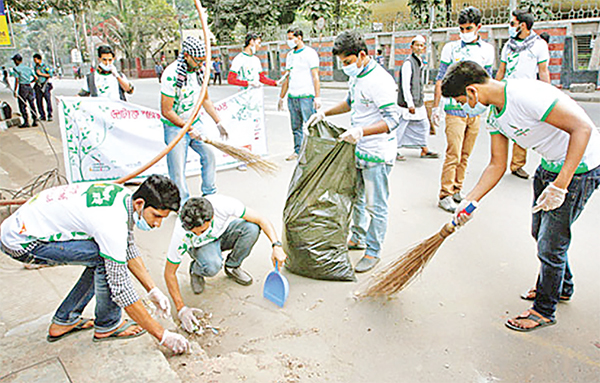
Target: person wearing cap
(302, 86)
(181, 83)
(106, 80)
(24, 77)
(414, 124)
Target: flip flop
(79, 327)
(536, 318)
(430, 155)
(530, 296)
(356, 246)
(115, 335)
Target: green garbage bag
(318, 207)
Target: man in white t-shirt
(180, 88)
(92, 225)
(525, 55)
(461, 128)
(538, 116)
(302, 85)
(374, 116)
(106, 80)
(246, 69)
(207, 227)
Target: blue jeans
(552, 231)
(300, 111)
(92, 282)
(177, 159)
(239, 237)
(372, 190)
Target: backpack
(91, 82)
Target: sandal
(541, 322)
(530, 296)
(430, 155)
(120, 330)
(356, 246)
(79, 327)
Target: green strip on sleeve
(494, 133)
(173, 263)
(244, 212)
(543, 61)
(112, 259)
(168, 95)
(443, 62)
(549, 110)
(386, 105)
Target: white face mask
(468, 37)
(513, 32)
(292, 44)
(253, 49)
(105, 67)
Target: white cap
(418, 38)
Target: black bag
(318, 207)
(5, 111)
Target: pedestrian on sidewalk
(92, 225)
(43, 87)
(302, 85)
(158, 69)
(106, 80)
(207, 227)
(374, 117)
(181, 84)
(217, 70)
(461, 128)
(538, 116)
(525, 55)
(24, 78)
(414, 124)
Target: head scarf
(195, 48)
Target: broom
(253, 160)
(401, 272)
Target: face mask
(105, 67)
(140, 222)
(292, 44)
(513, 32)
(352, 70)
(478, 109)
(468, 37)
(253, 49)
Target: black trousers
(26, 96)
(42, 93)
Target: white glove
(550, 199)
(280, 105)
(282, 79)
(461, 216)
(188, 320)
(175, 342)
(436, 115)
(254, 84)
(315, 118)
(352, 135)
(318, 103)
(114, 71)
(160, 300)
(195, 134)
(222, 131)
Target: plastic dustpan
(276, 287)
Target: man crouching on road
(91, 225)
(208, 226)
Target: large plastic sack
(318, 207)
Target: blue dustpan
(276, 287)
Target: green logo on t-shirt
(102, 195)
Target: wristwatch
(277, 243)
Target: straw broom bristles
(253, 160)
(398, 274)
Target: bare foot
(57, 330)
(524, 322)
(131, 330)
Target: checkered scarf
(195, 48)
(520, 45)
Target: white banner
(105, 139)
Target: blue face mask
(352, 70)
(140, 221)
(478, 109)
(513, 32)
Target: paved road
(447, 327)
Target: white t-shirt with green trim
(73, 212)
(300, 63)
(226, 209)
(369, 93)
(190, 92)
(106, 84)
(480, 52)
(248, 68)
(527, 105)
(524, 64)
